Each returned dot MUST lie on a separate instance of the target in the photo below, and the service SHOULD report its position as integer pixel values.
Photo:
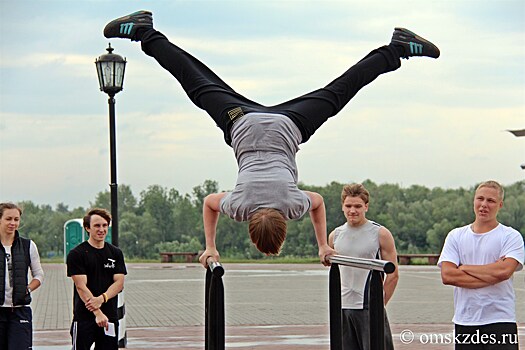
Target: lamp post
(110, 70)
(519, 133)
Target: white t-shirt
(491, 304)
(36, 272)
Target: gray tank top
(358, 242)
(265, 146)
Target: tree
(157, 202)
(126, 200)
(418, 217)
(139, 235)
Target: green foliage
(162, 219)
(175, 246)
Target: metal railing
(214, 336)
(375, 299)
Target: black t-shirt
(99, 265)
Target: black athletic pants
(494, 336)
(85, 333)
(207, 91)
(16, 328)
(356, 330)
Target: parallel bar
(376, 310)
(336, 313)
(207, 307)
(216, 268)
(214, 337)
(367, 264)
(375, 296)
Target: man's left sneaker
(413, 44)
(126, 27)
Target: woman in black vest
(17, 256)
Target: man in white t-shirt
(479, 260)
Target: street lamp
(110, 70)
(518, 133)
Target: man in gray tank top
(265, 139)
(361, 238)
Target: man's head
(96, 223)
(354, 201)
(267, 228)
(488, 200)
(355, 190)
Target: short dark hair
(9, 205)
(96, 211)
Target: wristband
(105, 296)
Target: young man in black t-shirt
(97, 269)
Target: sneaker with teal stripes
(413, 44)
(126, 27)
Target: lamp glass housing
(110, 70)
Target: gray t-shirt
(358, 242)
(265, 146)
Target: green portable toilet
(74, 234)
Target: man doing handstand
(265, 139)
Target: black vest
(20, 260)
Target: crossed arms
(478, 276)
(94, 303)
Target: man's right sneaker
(413, 44)
(126, 27)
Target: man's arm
(331, 239)
(318, 217)
(497, 272)
(452, 275)
(210, 216)
(85, 294)
(93, 303)
(387, 247)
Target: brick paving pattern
(270, 306)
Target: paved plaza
(268, 306)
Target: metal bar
(336, 313)
(368, 264)
(206, 307)
(376, 308)
(214, 337)
(215, 267)
(375, 299)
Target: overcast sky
(432, 122)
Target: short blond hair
(267, 228)
(495, 185)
